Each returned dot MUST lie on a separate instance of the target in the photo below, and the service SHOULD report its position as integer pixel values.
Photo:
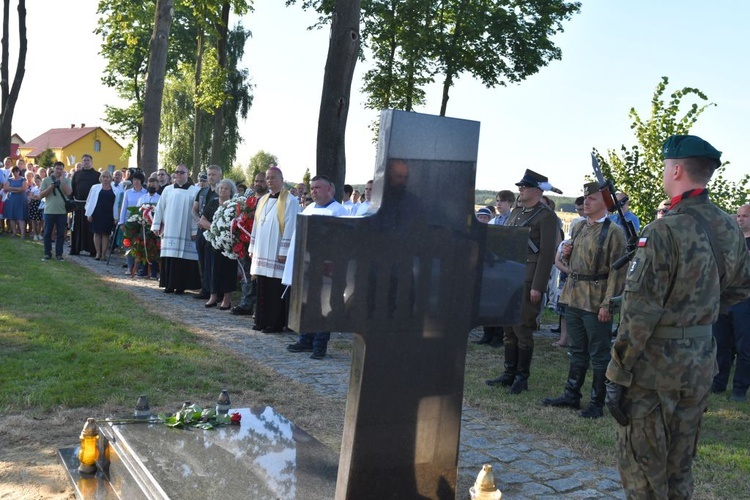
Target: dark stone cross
(411, 280)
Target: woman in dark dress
(101, 207)
(224, 273)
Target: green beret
(689, 146)
(590, 188)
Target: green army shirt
(590, 295)
(673, 281)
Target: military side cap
(484, 211)
(203, 176)
(532, 179)
(689, 146)
(590, 188)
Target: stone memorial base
(265, 457)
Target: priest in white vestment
(173, 221)
(275, 219)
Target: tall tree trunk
(218, 132)
(337, 85)
(9, 98)
(447, 84)
(197, 114)
(157, 69)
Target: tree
(9, 97)
(228, 89)
(306, 179)
(47, 158)
(496, 41)
(156, 73)
(125, 27)
(638, 170)
(260, 163)
(337, 84)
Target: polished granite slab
(266, 457)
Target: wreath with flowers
(141, 243)
(231, 227)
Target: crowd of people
(684, 319)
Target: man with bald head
(275, 219)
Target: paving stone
(534, 490)
(513, 478)
(506, 455)
(564, 485)
(530, 467)
(587, 493)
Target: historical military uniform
(518, 340)
(591, 283)
(687, 265)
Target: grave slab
(266, 456)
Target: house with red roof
(70, 144)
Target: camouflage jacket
(543, 234)
(592, 295)
(673, 280)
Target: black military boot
(511, 364)
(521, 382)
(598, 393)
(571, 398)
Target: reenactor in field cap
(543, 240)
(595, 245)
(689, 265)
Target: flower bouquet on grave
(141, 243)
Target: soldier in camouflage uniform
(595, 245)
(688, 266)
(543, 239)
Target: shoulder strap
(602, 236)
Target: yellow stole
(280, 208)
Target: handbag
(71, 205)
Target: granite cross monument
(423, 272)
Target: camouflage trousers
(655, 451)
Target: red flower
(235, 418)
(126, 242)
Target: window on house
(97, 145)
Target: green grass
(68, 339)
(721, 469)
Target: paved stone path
(524, 465)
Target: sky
(613, 57)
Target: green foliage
(195, 416)
(236, 174)
(496, 41)
(47, 158)
(638, 170)
(178, 110)
(211, 93)
(125, 27)
(260, 163)
(306, 179)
